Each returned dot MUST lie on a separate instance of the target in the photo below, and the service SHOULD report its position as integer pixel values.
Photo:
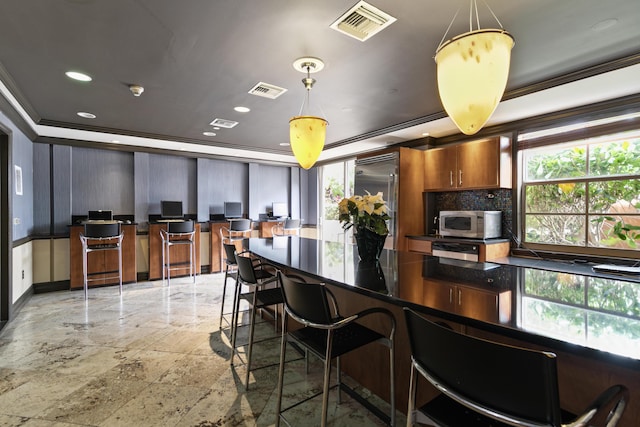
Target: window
(337, 183)
(582, 194)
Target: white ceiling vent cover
(267, 90)
(223, 123)
(363, 21)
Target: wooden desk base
(179, 254)
(102, 261)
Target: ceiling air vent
(223, 123)
(363, 21)
(266, 90)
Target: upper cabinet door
(478, 164)
(440, 168)
(481, 164)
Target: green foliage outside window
(586, 194)
(333, 193)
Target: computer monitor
(233, 209)
(171, 209)
(100, 215)
(279, 210)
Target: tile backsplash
(480, 200)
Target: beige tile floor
(153, 357)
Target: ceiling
(197, 60)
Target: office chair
(286, 227)
(253, 274)
(483, 383)
(328, 335)
(98, 238)
(179, 234)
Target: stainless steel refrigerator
(380, 174)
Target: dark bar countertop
(559, 305)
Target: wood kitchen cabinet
(481, 164)
(487, 249)
(489, 305)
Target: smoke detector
(136, 90)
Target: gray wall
(102, 179)
(74, 180)
(172, 178)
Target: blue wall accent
(22, 156)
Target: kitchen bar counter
(591, 321)
(552, 303)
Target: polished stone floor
(154, 356)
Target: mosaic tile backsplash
(478, 200)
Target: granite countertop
(562, 305)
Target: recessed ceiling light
(115, 141)
(216, 128)
(75, 75)
(284, 144)
(209, 133)
(242, 109)
(425, 133)
(86, 115)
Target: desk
(178, 253)
(103, 260)
(597, 343)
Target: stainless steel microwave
(471, 224)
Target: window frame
(580, 132)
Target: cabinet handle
(460, 171)
(459, 297)
(450, 178)
(450, 295)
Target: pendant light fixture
(307, 132)
(472, 70)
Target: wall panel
(102, 179)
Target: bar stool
(255, 276)
(231, 270)
(180, 234)
(235, 233)
(99, 237)
(484, 383)
(328, 335)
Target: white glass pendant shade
(307, 135)
(472, 71)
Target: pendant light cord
(473, 4)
